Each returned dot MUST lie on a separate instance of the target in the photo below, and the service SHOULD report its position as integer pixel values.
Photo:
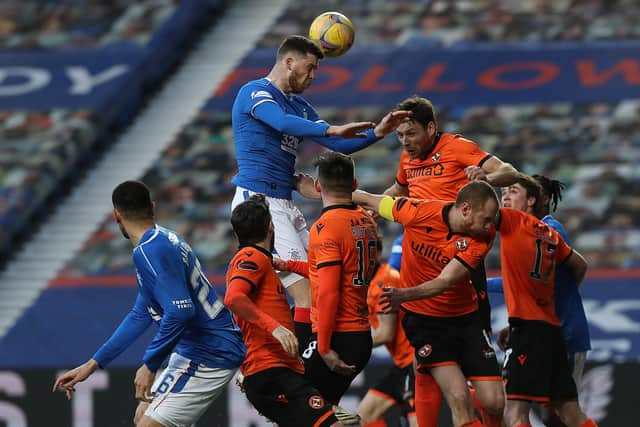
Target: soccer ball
(333, 32)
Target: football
(333, 32)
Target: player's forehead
(513, 188)
(307, 58)
(408, 125)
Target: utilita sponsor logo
(430, 252)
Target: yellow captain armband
(385, 208)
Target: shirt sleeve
(469, 153)
(171, 291)
(132, 326)
(407, 211)
(347, 146)
(328, 299)
(274, 116)
(472, 251)
(237, 299)
(563, 252)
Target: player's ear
(317, 186)
(116, 216)
(153, 209)
(355, 185)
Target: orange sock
(589, 423)
(474, 423)
(377, 423)
(428, 400)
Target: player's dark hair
(250, 220)
(476, 194)
(299, 44)
(133, 200)
(422, 109)
(552, 188)
(336, 172)
(532, 189)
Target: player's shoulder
(159, 239)
(555, 224)
(250, 258)
(454, 138)
(427, 206)
(258, 88)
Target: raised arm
(494, 171)
(371, 201)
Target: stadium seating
(443, 22)
(43, 149)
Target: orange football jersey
(252, 265)
(428, 246)
(530, 251)
(440, 174)
(344, 235)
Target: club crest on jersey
(435, 157)
(319, 227)
(247, 265)
(425, 351)
(260, 94)
(316, 402)
(462, 244)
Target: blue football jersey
(266, 157)
(174, 292)
(568, 301)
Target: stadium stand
(446, 23)
(44, 149)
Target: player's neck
(456, 221)
(332, 200)
(279, 79)
(136, 230)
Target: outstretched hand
(69, 379)
(350, 130)
(390, 122)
